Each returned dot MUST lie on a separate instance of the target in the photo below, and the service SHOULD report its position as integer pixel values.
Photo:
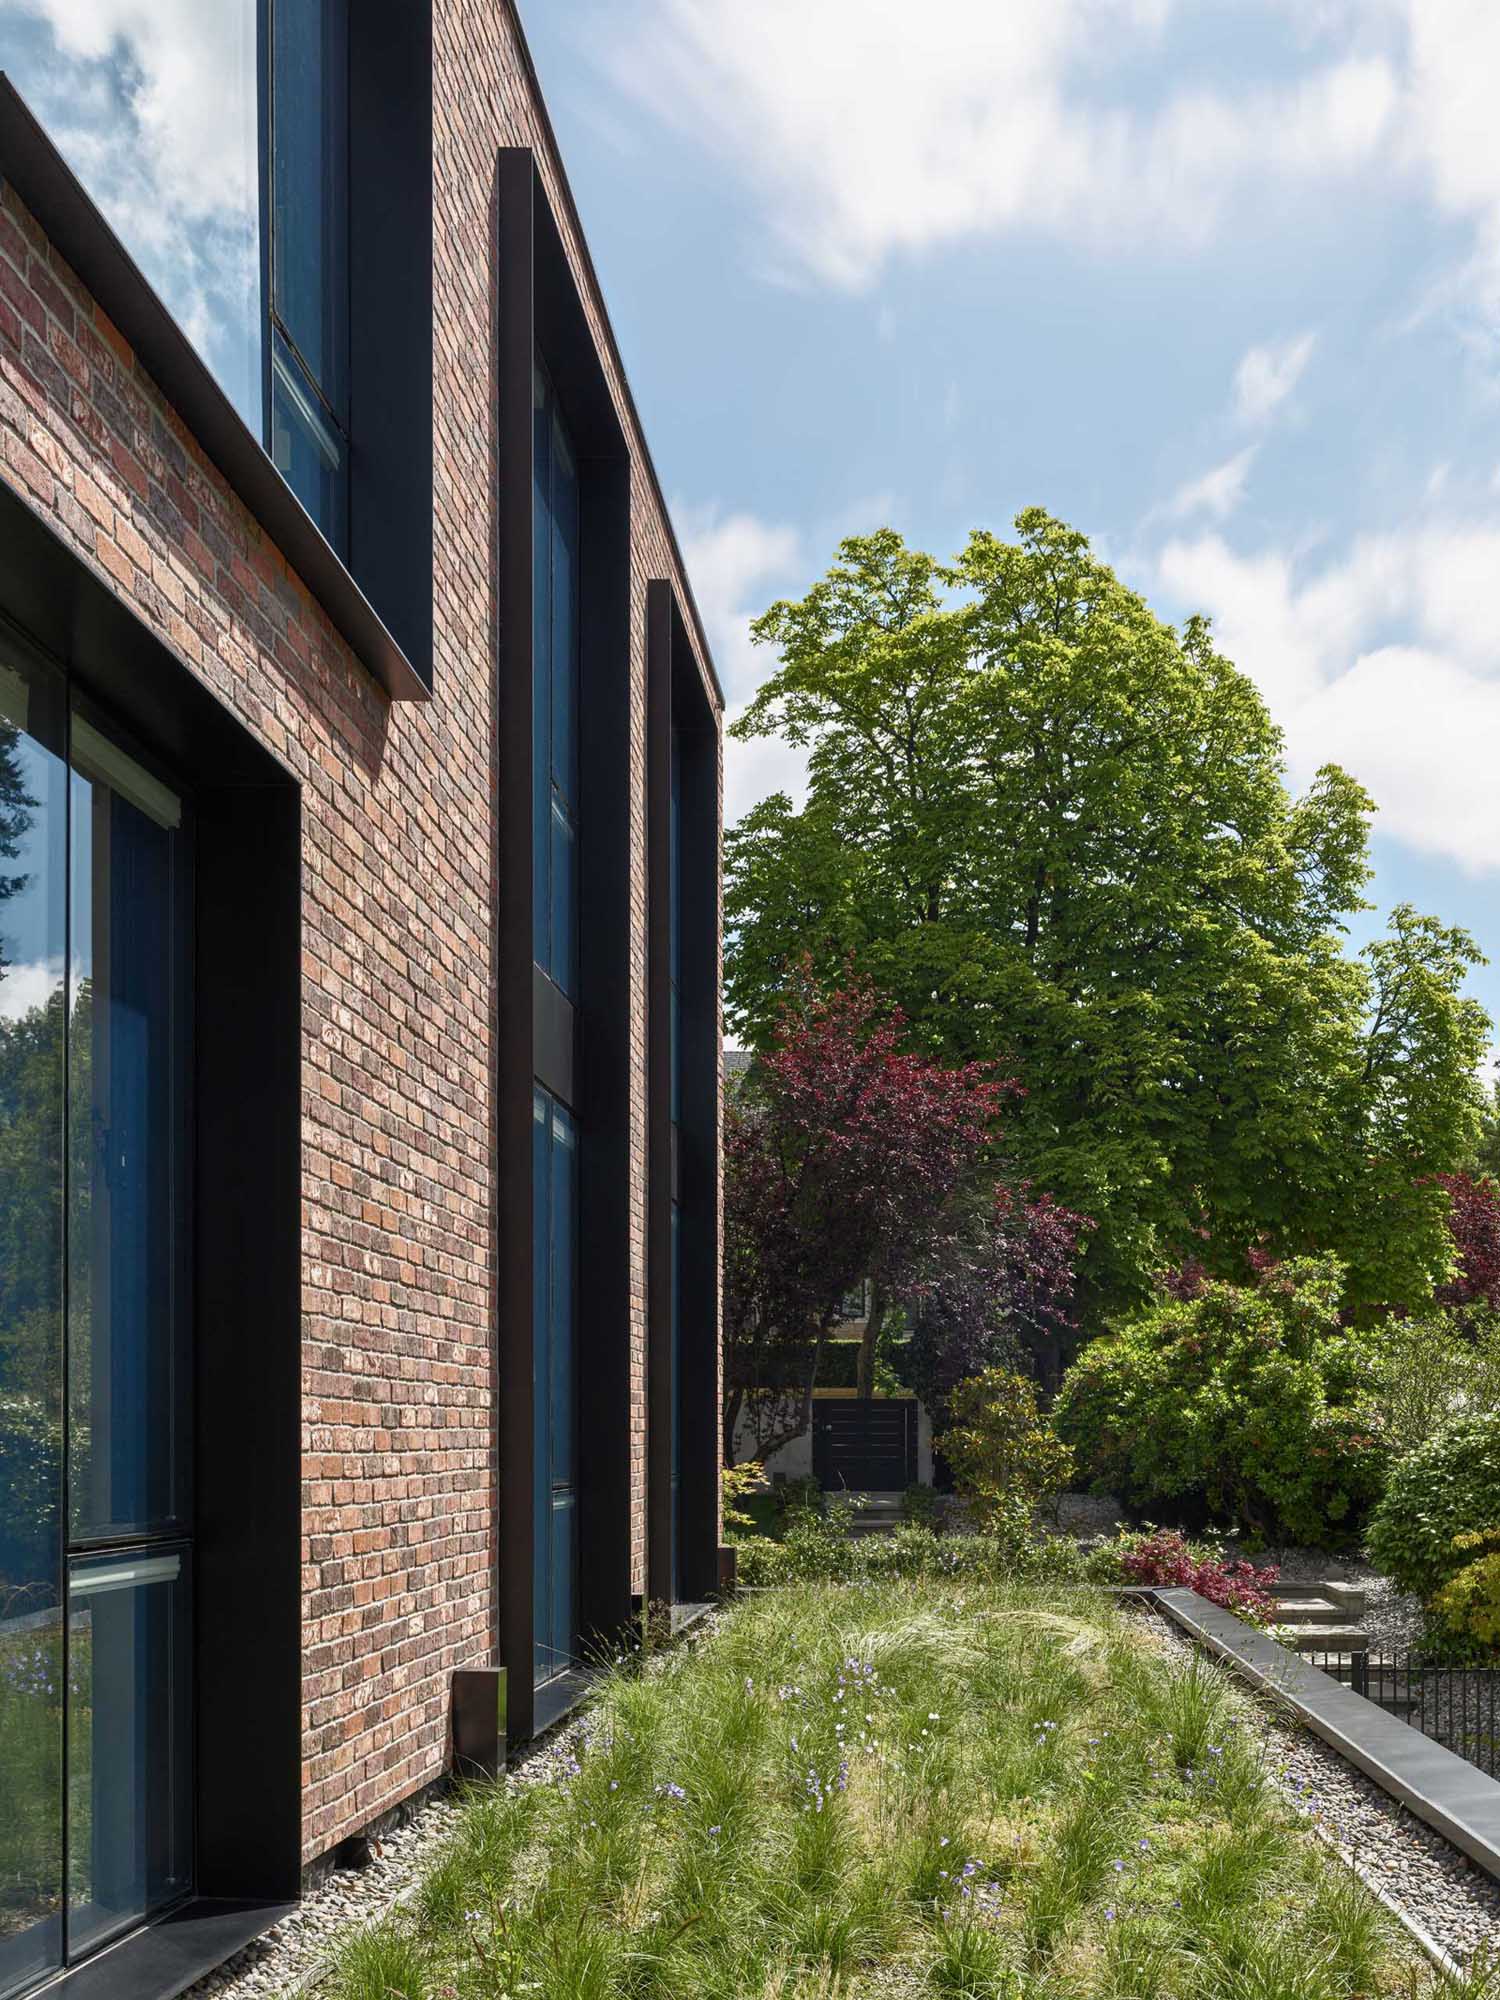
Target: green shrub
(824, 1553)
(919, 1505)
(1007, 1460)
(739, 1482)
(1430, 1371)
(1464, 1616)
(1446, 1488)
(1247, 1403)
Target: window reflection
(92, 1081)
(125, 1470)
(33, 824)
(155, 108)
(128, 1805)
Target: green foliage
(1464, 1616)
(819, 1549)
(1007, 1460)
(30, 1485)
(919, 1506)
(1445, 1489)
(1431, 1369)
(1057, 832)
(1247, 1402)
(738, 1482)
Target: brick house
(359, 965)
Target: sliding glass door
(95, 1479)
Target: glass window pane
(541, 1322)
(129, 1779)
(309, 186)
(33, 883)
(564, 967)
(564, 1254)
(564, 616)
(126, 1443)
(156, 109)
(306, 450)
(541, 671)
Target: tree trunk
(733, 1404)
(865, 1385)
(812, 1381)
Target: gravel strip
(288, 1960)
(1451, 1899)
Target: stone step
(1325, 1639)
(1307, 1611)
(1347, 1598)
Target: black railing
(1458, 1707)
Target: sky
(1218, 283)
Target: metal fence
(1458, 1707)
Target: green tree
(1057, 832)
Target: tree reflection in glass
(33, 812)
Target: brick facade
(398, 1384)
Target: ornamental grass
(975, 1791)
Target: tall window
(554, 948)
(308, 345)
(674, 843)
(95, 1484)
(554, 842)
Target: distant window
(554, 692)
(309, 261)
(855, 1303)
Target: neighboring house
(359, 962)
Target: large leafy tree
(1057, 832)
(846, 1156)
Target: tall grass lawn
(958, 1789)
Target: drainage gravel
(289, 1961)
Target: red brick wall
(398, 1285)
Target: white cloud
(871, 128)
(1450, 128)
(1216, 493)
(153, 104)
(735, 563)
(1386, 661)
(28, 985)
(1267, 376)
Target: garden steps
(1307, 1609)
(1324, 1638)
(875, 1513)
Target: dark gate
(865, 1444)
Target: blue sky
(1219, 283)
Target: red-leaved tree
(1003, 1298)
(1474, 1222)
(845, 1157)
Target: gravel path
(287, 1961)
(1456, 1903)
